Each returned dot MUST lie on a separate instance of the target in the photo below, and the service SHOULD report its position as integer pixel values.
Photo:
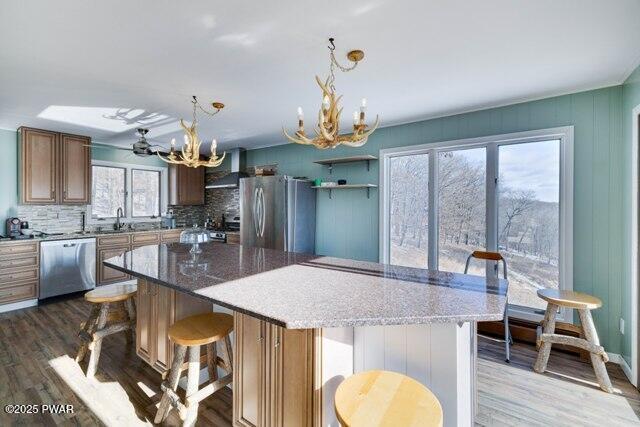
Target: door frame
(565, 134)
(635, 195)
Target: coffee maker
(13, 227)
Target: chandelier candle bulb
(356, 118)
(214, 146)
(300, 114)
(325, 102)
(363, 105)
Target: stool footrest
(113, 329)
(174, 400)
(575, 342)
(208, 389)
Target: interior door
(249, 383)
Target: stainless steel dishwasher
(67, 266)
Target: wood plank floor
(37, 346)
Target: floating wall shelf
(330, 162)
(345, 187)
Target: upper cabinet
(186, 185)
(54, 168)
(75, 171)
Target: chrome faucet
(119, 215)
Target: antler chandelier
(189, 154)
(328, 128)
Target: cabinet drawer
(18, 292)
(15, 276)
(146, 238)
(12, 249)
(233, 238)
(171, 236)
(28, 260)
(123, 239)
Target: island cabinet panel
(186, 185)
(249, 374)
(273, 374)
(75, 159)
(38, 166)
(160, 307)
(291, 377)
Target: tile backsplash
(52, 218)
(217, 201)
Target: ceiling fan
(140, 148)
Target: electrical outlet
(622, 326)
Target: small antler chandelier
(328, 127)
(189, 154)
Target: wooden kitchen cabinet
(265, 393)
(19, 271)
(54, 168)
(186, 185)
(39, 166)
(109, 275)
(159, 307)
(75, 171)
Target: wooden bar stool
(383, 398)
(584, 303)
(190, 333)
(104, 300)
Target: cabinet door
(75, 159)
(38, 166)
(290, 377)
(144, 321)
(164, 317)
(186, 185)
(106, 274)
(249, 382)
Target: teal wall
(122, 156)
(348, 223)
(630, 99)
(8, 174)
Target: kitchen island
(305, 322)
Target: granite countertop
(70, 236)
(301, 291)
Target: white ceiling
(102, 68)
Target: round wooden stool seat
(570, 299)
(383, 398)
(201, 329)
(111, 293)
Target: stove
(218, 236)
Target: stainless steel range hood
(232, 180)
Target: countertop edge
(311, 324)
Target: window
(510, 193)
(108, 192)
(139, 191)
(145, 185)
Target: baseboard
(18, 305)
(618, 359)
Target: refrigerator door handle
(259, 211)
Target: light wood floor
(37, 347)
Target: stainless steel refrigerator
(278, 212)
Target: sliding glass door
(441, 202)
